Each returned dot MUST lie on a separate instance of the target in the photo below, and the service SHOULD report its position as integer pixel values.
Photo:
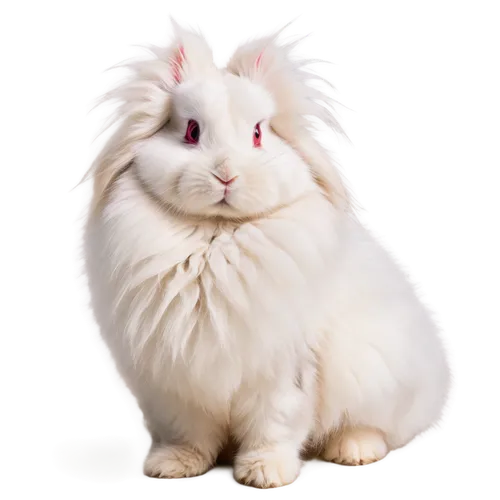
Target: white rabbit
(240, 297)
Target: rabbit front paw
(175, 462)
(267, 468)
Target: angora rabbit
(243, 302)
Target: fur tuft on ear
(144, 103)
(271, 64)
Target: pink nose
(222, 181)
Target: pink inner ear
(259, 60)
(177, 62)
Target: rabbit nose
(226, 181)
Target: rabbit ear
(306, 104)
(177, 62)
(189, 56)
(258, 61)
(144, 102)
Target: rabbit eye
(192, 132)
(257, 136)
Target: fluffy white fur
(272, 320)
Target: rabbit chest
(211, 301)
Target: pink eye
(192, 132)
(257, 136)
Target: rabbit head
(232, 143)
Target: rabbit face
(217, 155)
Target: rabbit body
(272, 319)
